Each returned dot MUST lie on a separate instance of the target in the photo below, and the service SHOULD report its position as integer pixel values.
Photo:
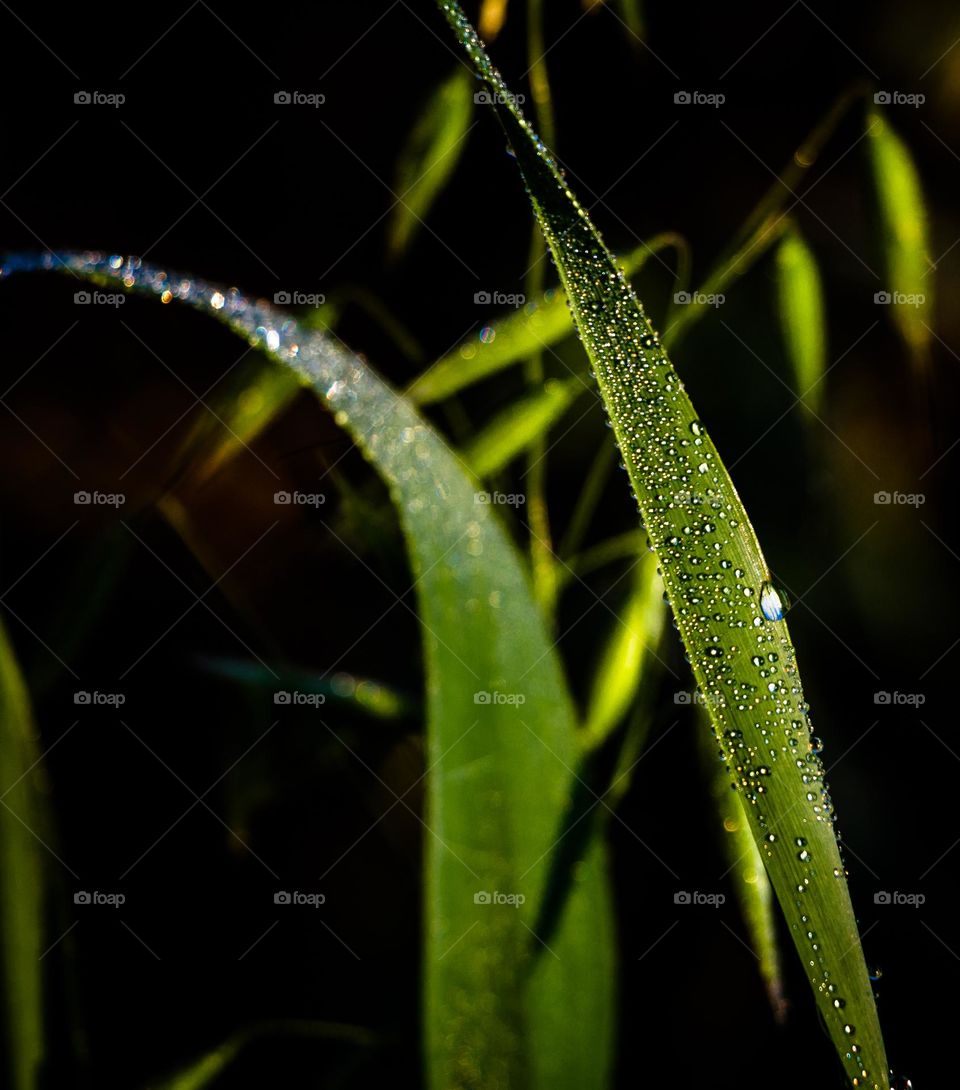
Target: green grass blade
(22, 906)
(621, 670)
(430, 157)
(542, 323)
(748, 876)
(803, 318)
(719, 587)
(904, 220)
(499, 1010)
(519, 425)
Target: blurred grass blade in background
(748, 875)
(499, 1009)
(636, 634)
(908, 291)
(430, 157)
(23, 822)
(519, 425)
(728, 610)
(802, 317)
(542, 323)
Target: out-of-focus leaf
(747, 873)
(541, 323)
(501, 740)
(493, 14)
(803, 317)
(621, 670)
(520, 425)
(24, 824)
(903, 215)
(368, 696)
(728, 611)
(430, 157)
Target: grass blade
(497, 1013)
(430, 157)
(728, 612)
(803, 317)
(519, 425)
(542, 323)
(903, 216)
(22, 906)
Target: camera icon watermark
(899, 98)
(99, 499)
(298, 98)
(299, 499)
(99, 299)
(484, 897)
(96, 699)
(500, 499)
(297, 897)
(900, 499)
(899, 298)
(297, 699)
(98, 98)
(698, 298)
(898, 699)
(96, 897)
(910, 900)
(495, 697)
(684, 897)
(699, 98)
(499, 299)
(497, 98)
(299, 299)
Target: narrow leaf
(729, 614)
(430, 157)
(520, 425)
(499, 1010)
(908, 292)
(542, 323)
(23, 827)
(802, 315)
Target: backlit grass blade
(430, 157)
(748, 877)
(803, 317)
(728, 610)
(519, 425)
(636, 633)
(501, 738)
(903, 215)
(542, 323)
(22, 905)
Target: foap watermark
(498, 98)
(99, 298)
(900, 499)
(299, 699)
(97, 699)
(484, 897)
(299, 98)
(708, 700)
(299, 299)
(99, 499)
(699, 98)
(899, 98)
(684, 897)
(699, 298)
(900, 700)
(686, 498)
(98, 98)
(499, 299)
(483, 697)
(298, 897)
(98, 897)
(299, 499)
(899, 298)
(500, 499)
(911, 900)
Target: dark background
(294, 199)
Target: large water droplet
(774, 603)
